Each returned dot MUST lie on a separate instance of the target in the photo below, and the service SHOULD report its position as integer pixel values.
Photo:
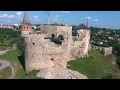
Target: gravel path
(13, 72)
(3, 52)
(5, 64)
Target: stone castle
(54, 45)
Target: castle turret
(80, 30)
(48, 21)
(87, 23)
(25, 25)
(83, 34)
(1, 24)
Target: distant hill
(97, 66)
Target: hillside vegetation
(17, 63)
(7, 38)
(97, 66)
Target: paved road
(4, 64)
(3, 52)
(13, 72)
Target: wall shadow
(22, 60)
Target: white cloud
(6, 16)
(3, 16)
(54, 11)
(19, 13)
(57, 16)
(95, 20)
(61, 11)
(9, 21)
(36, 18)
(88, 18)
(11, 16)
(54, 19)
(64, 11)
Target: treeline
(8, 37)
(110, 42)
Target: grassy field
(5, 73)
(14, 57)
(96, 66)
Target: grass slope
(12, 56)
(5, 73)
(97, 66)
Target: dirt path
(3, 52)
(13, 72)
(5, 64)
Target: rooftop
(26, 20)
(82, 26)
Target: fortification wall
(80, 47)
(66, 31)
(41, 53)
(77, 50)
(23, 32)
(107, 50)
(49, 30)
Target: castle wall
(77, 50)
(41, 53)
(49, 30)
(66, 31)
(107, 50)
(25, 32)
(86, 41)
(81, 46)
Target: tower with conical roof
(87, 23)
(48, 20)
(25, 25)
(1, 24)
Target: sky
(107, 19)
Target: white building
(16, 25)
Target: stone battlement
(105, 50)
(36, 35)
(53, 47)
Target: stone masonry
(53, 46)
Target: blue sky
(108, 19)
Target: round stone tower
(25, 25)
(83, 34)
